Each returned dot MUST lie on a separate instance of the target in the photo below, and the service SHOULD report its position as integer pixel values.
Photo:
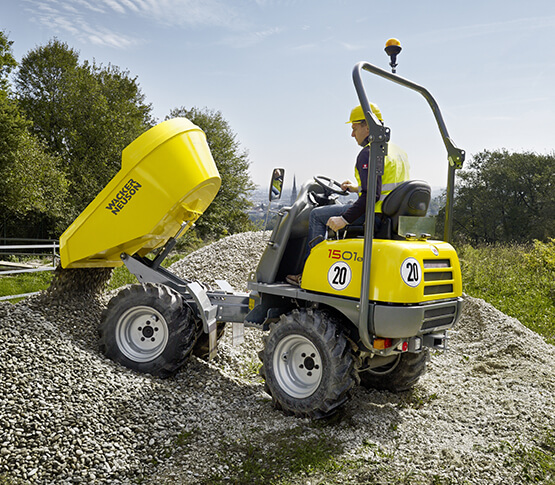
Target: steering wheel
(330, 186)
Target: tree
(227, 214)
(506, 197)
(44, 78)
(32, 187)
(12, 124)
(7, 60)
(34, 190)
(85, 113)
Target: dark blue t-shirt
(358, 209)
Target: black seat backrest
(411, 198)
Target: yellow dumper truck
(369, 307)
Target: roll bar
(378, 137)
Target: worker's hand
(348, 185)
(336, 223)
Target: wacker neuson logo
(123, 196)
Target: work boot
(294, 279)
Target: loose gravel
(68, 415)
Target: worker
(337, 216)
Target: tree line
(505, 197)
(64, 123)
(63, 126)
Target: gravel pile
(68, 415)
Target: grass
(250, 369)
(24, 283)
(284, 456)
(536, 462)
(416, 398)
(517, 280)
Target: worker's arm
(350, 186)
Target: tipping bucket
(167, 177)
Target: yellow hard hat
(357, 115)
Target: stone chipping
(69, 415)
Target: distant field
(517, 280)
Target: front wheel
(307, 364)
(397, 375)
(149, 329)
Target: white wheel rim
(297, 366)
(142, 334)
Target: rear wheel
(149, 329)
(397, 375)
(307, 364)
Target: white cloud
(86, 19)
(93, 7)
(529, 24)
(114, 5)
(352, 47)
(71, 17)
(251, 38)
(112, 39)
(306, 47)
(178, 12)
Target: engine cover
(403, 272)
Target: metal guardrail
(37, 250)
(28, 250)
(22, 295)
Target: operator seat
(411, 198)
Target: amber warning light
(392, 49)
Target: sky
(280, 71)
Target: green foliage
(191, 241)
(120, 277)
(542, 258)
(32, 185)
(7, 60)
(227, 214)
(12, 124)
(506, 197)
(85, 114)
(517, 280)
(19, 284)
(537, 462)
(33, 181)
(42, 81)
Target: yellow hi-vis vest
(396, 171)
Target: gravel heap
(68, 415)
